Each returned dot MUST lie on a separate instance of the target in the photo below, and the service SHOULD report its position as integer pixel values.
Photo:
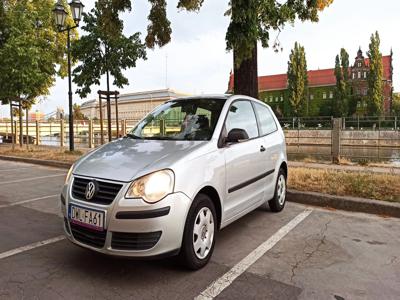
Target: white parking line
(30, 179)
(215, 288)
(27, 201)
(31, 246)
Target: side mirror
(236, 135)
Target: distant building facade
(132, 105)
(322, 88)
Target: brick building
(322, 88)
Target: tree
(31, 50)
(251, 22)
(340, 105)
(375, 76)
(78, 114)
(396, 104)
(297, 79)
(105, 50)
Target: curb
(346, 203)
(43, 162)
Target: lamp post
(60, 15)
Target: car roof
(208, 96)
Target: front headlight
(69, 174)
(152, 187)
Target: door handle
(262, 148)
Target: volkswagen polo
(188, 169)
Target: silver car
(187, 170)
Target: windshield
(184, 120)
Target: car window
(241, 116)
(184, 120)
(267, 122)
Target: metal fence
(370, 138)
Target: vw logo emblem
(90, 190)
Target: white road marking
(215, 288)
(27, 201)
(30, 179)
(31, 246)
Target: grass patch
(343, 183)
(42, 152)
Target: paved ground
(328, 255)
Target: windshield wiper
(132, 136)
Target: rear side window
(267, 122)
(241, 116)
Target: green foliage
(159, 30)
(31, 56)
(3, 25)
(104, 49)
(297, 79)
(340, 105)
(78, 115)
(252, 20)
(396, 104)
(375, 76)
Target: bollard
(336, 131)
(90, 139)
(61, 133)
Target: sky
(196, 60)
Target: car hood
(126, 159)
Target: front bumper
(139, 230)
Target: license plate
(86, 217)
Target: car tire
(277, 203)
(199, 234)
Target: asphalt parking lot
(325, 255)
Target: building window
(354, 75)
(270, 98)
(281, 98)
(311, 97)
(365, 74)
(359, 74)
(359, 64)
(324, 95)
(276, 99)
(330, 94)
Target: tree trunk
(246, 76)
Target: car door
(244, 162)
(272, 144)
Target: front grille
(87, 236)
(134, 241)
(105, 195)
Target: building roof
(324, 77)
(164, 94)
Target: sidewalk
(367, 169)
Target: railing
(359, 138)
(372, 138)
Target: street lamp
(60, 15)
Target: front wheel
(277, 203)
(199, 235)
